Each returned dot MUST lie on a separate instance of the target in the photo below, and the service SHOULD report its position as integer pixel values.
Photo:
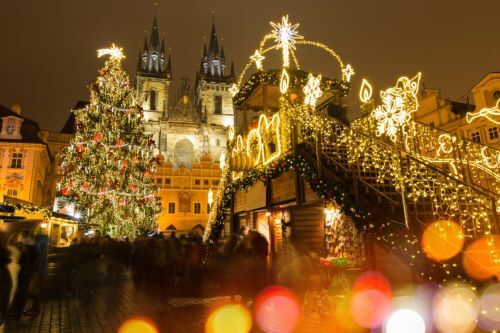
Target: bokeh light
(371, 300)
(137, 325)
(442, 240)
(456, 309)
(481, 259)
(277, 310)
(489, 315)
(405, 320)
(230, 318)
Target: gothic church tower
(154, 73)
(213, 98)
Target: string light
(258, 58)
(115, 52)
(284, 81)
(312, 90)
(492, 114)
(347, 72)
(366, 91)
(286, 36)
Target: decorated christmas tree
(108, 165)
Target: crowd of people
(237, 267)
(151, 261)
(23, 268)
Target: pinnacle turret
(153, 59)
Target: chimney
(16, 108)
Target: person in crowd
(9, 271)
(28, 258)
(40, 270)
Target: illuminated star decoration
(312, 90)
(234, 89)
(399, 103)
(492, 114)
(286, 35)
(257, 58)
(115, 52)
(348, 71)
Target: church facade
(189, 127)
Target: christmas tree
(108, 165)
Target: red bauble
(97, 137)
(80, 148)
(85, 186)
(133, 187)
(64, 191)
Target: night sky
(48, 47)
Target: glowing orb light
(405, 320)
(456, 309)
(137, 325)
(371, 300)
(481, 259)
(231, 318)
(442, 240)
(277, 310)
(489, 315)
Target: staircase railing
(425, 190)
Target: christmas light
(347, 72)
(286, 35)
(233, 89)
(115, 52)
(257, 58)
(398, 104)
(492, 114)
(284, 82)
(366, 91)
(312, 90)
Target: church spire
(155, 39)
(153, 59)
(214, 43)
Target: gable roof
(29, 128)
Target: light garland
(312, 90)
(492, 114)
(258, 58)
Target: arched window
(152, 100)
(218, 104)
(183, 153)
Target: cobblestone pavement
(106, 308)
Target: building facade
(25, 158)
(189, 128)
(479, 122)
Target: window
(218, 104)
(205, 182)
(11, 128)
(197, 208)
(152, 99)
(12, 192)
(217, 142)
(215, 182)
(167, 181)
(493, 133)
(476, 136)
(159, 181)
(17, 161)
(171, 207)
(208, 209)
(197, 182)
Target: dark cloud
(47, 54)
